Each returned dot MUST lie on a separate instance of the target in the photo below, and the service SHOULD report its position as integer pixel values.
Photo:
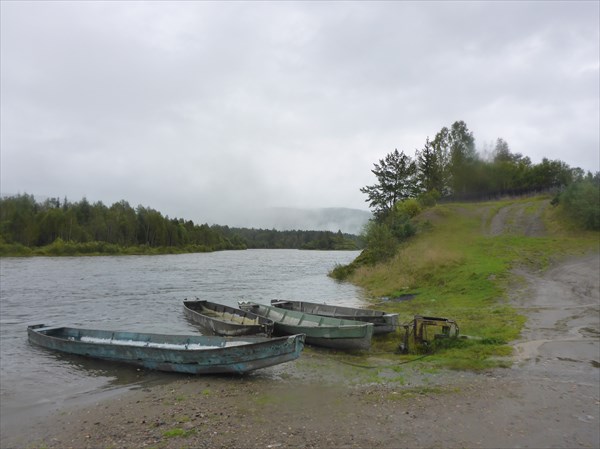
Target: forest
(449, 168)
(55, 227)
(272, 239)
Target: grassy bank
(459, 266)
(61, 248)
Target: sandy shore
(549, 398)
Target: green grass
(458, 270)
(177, 432)
(182, 418)
(37, 446)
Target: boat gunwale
(253, 341)
(344, 323)
(383, 321)
(369, 313)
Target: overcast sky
(201, 110)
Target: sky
(210, 110)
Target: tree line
(64, 227)
(448, 167)
(270, 239)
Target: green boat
(384, 322)
(320, 330)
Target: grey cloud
(199, 108)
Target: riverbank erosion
(549, 397)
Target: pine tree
(430, 169)
(396, 175)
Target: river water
(137, 293)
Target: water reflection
(113, 373)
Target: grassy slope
(460, 270)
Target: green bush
(13, 250)
(581, 201)
(381, 243)
(342, 272)
(408, 208)
(402, 230)
(429, 199)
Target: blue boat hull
(176, 353)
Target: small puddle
(406, 297)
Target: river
(138, 293)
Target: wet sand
(550, 398)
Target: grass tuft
(177, 432)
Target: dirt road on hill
(550, 398)
(520, 218)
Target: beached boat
(220, 319)
(320, 330)
(192, 354)
(383, 322)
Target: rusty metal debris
(423, 330)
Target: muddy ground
(550, 398)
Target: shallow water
(133, 293)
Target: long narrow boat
(220, 319)
(319, 330)
(191, 354)
(384, 322)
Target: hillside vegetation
(455, 259)
(458, 265)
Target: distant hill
(350, 221)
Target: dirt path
(549, 399)
(521, 218)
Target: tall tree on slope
(431, 169)
(396, 176)
(463, 157)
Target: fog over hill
(350, 221)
